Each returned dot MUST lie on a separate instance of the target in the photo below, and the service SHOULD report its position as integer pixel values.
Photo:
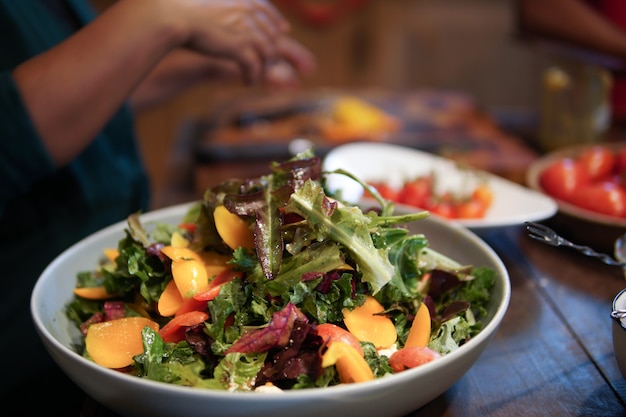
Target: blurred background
(470, 46)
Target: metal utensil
(620, 248)
(546, 235)
(618, 314)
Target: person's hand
(246, 31)
(294, 61)
(92, 73)
(182, 69)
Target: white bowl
(396, 395)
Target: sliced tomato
(484, 194)
(598, 162)
(420, 193)
(444, 206)
(386, 191)
(417, 192)
(189, 227)
(604, 197)
(562, 178)
(174, 330)
(470, 209)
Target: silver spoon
(546, 235)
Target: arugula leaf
(170, 362)
(319, 257)
(237, 371)
(378, 363)
(136, 268)
(348, 226)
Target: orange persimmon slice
(176, 253)
(233, 230)
(179, 241)
(419, 334)
(350, 364)
(170, 300)
(368, 325)
(190, 277)
(93, 293)
(111, 254)
(114, 343)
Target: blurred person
(596, 25)
(70, 82)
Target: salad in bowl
(272, 284)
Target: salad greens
(313, 257)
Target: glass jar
(575, 104)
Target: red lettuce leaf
(277, 334)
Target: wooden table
(552, 355)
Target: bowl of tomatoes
(588, 182)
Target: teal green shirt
(45, 209)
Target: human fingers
(259, 36)
(269, 21)
(259, 14)
(294, 60)
(274, 17)
(247, 31)
(297, 55)
(256, 22)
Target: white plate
(393, 396)
(512, 204)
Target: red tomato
(416, 192)
(411, 357)
(470, 209)
(386, 191)
(598, 162)
(443, 206)
(189, 227)
(443, 209)
(561, 178)
(602, 197)
(420, 192)
(483, 194)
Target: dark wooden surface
(552, 355)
